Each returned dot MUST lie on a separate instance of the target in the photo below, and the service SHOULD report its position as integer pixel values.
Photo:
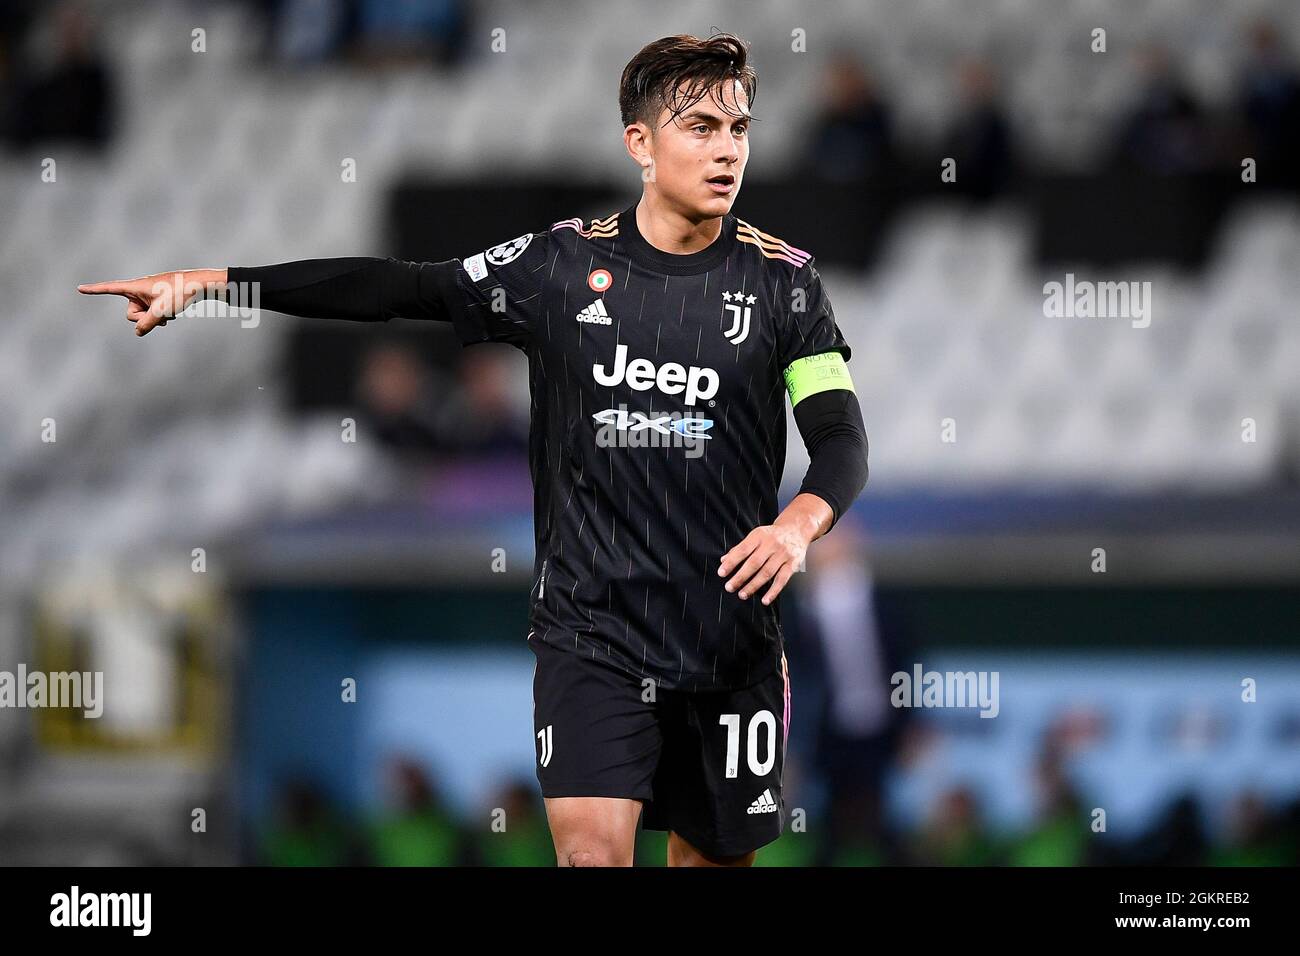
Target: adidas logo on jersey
(764, 803)
(595, 314)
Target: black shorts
(708, 764)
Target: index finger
(112, 287)
(737, 554)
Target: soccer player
(660, 340)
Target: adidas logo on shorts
(764, 803)
(595, 314)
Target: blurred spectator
(15, 18)
(416, 830)
(954, 835)
(847, 647)
(852, 137)
(1177, 839)
(373, 32)
(398, 401)
(1061, 833)
(306, 830)
(1192, 727)
(525, 839)
(480, 416)
(1253, 836)
(1270, 108)
(980, 139)
(412, 30)
(1289, 832)
(310, 31)
(1165, 132)
(69, 100)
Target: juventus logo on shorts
(740, 309)
(544, 735)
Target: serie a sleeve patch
(816, 373)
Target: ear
(638, 139)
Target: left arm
(832, 428)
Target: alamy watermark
(1085, 299)
(624, 428)
(132, 911)
(240, 299)
(57, 689)
(922, 688)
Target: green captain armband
(816, 373)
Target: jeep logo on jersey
(738, 304)
(509, 251)
(670, 378)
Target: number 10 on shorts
(764, 718)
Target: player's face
(698, 158)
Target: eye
(741, 129)
(701, 126)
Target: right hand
(153, 300)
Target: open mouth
(722, 183)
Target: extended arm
(361, 289)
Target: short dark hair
(652, 79)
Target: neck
(670, 231)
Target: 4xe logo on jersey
(694, 384)
(623, 429)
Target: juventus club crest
(739, 305)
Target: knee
(594, 855)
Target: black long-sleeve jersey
(658, 428)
